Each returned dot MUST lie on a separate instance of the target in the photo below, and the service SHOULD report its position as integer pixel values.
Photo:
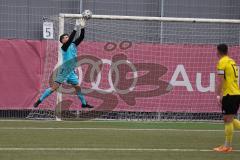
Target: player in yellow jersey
(228, 94)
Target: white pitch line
(113, 121)
(109, 149)
(111, 129)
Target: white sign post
(48, 30)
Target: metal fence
(23, 19)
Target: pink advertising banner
(21, 63)
(137, 77)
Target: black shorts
(230, 104)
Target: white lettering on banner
(180, 70)
(211, 86)
(185, 82)
(96, 83)
(113, 87)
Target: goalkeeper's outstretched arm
(67, 44)
(80, 38)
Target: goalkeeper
(228, 95)
(66, 72)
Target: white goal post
(161, 19)
(175, 20)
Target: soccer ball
(87, 14)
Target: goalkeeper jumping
(66, 72)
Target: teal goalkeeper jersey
(70, 57)
(70, 53)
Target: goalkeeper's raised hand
(80, 23)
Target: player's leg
(61, 77)
(81, 97)
(230, 108)
(73, 80)
(47, 93)
(228, 123)
(236, 122)
(50, 90)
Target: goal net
(145, 68)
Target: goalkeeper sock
(236, 123)
(81, 97)
(45, 94)
(228, 134)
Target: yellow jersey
(228, 68)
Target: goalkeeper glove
(80, 23)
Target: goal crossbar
(161, 19)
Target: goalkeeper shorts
(71, 78)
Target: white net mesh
(143, 69)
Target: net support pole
(80, 6)
(162, 15)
